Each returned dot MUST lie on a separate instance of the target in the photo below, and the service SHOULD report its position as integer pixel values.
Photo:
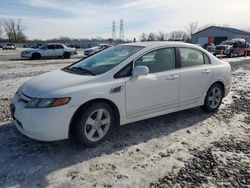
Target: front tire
(213, 98)
(66, 55)
(94, 124)
(36, 56)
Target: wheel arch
(220, 83)
(88, 104)
(36, 53)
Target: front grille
(220, 48)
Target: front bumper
(25, 55)
(44, 124)
(73, 53)
(218, 52)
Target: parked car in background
(104, 46)
(210, 47)
(9, 46)
(120, 85)
(91, 51)
(96, 49)
(1, 46)
(230, 48)
(49, 50)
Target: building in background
(216, 35)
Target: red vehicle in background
(234, 47)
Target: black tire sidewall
(66, 55)
(35, 56)
(81, 119)
(206, 106)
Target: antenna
(121, 30)
(113, 31)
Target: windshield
(43, 46)
(228, 43)
(105, 60)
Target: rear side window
(192, 57)
(51, 47)
(58, 46)
(206, 59)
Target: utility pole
(113, 31)
(121, 30)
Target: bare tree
(143, 37)
(192, 28)
(15, 30)
(161, 36)
(151, 36)
(65, 40)
(179, 36)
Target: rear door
(195, 76)
(59, 50)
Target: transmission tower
(113, 31)
(121, 30)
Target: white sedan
(120, 85)
(49, 50)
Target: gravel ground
(184, 149)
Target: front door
(50, 51)
(159, 90)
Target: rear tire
(213, 98)
(93, 125)
(36, 56)
(66, 55)
(231, 55)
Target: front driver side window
(158, 60)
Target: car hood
(30, 50)
(90, 49)
(223, 45)
(52, 84)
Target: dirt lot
(185, 149)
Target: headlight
(47, 102)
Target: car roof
(158, 44)
(55, 44)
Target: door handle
(172, 77)
(206, 71)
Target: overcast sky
(46, 19)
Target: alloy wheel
(214, 97)
(97, 124)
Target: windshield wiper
(83, 70)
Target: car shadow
(25, 161)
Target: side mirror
(140, 70)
